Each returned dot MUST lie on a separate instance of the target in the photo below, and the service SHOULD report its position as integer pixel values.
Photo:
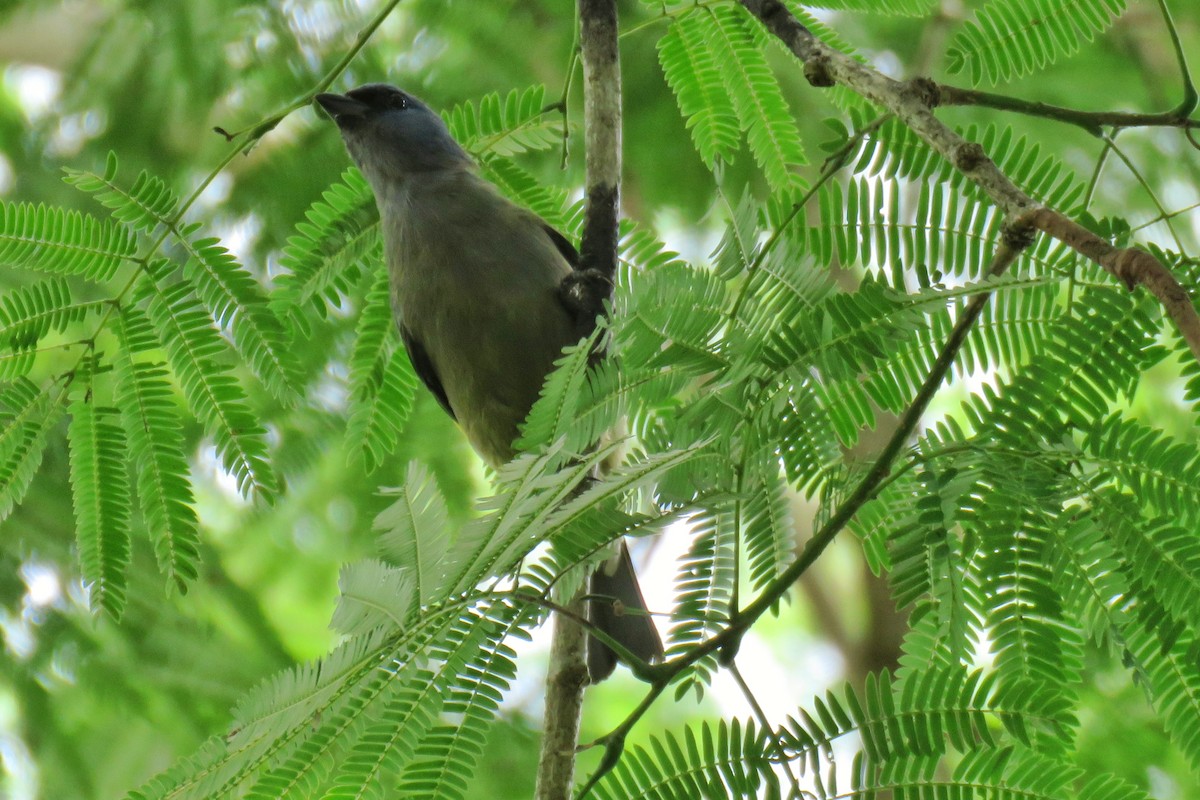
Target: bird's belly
(491, 353)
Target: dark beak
(341, 107)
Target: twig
(1091, 121)
(768, 729)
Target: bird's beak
(341, 107)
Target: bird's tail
(617, 608)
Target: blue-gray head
(392, 135)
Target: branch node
(926, 91)
(818, 73)
(969, 156)
(729, 651)
(772, 9)
(1018, 235)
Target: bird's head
(392, 135)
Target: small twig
(1093, 122)
(761, 715)
(1188, 104)
(614, 740)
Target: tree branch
(565, 683)
(598, 254)
(1091, 121)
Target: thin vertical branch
(598, 251)
(602, 133)
(564, 704)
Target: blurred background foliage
(89, 707)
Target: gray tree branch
(567, 676)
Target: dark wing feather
(564, 246)
(424, 368)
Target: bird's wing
(564, 246)
(424, 368)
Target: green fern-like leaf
(533, 492)
(27, 416)
(1031, 638)
(1160, 554)
(506, 126)
(100, 489)
(442, 766)
(382, 382)
(63, 242)
(152, 427)
(237, 302)
(1013, 38)
(555, 415)
(675, 317)
(325, 256)
(549, 203)
(761, 110)
(927, 714)
(894, 151)
(29, 313)
(767, 526)
(1155, 467)
(1166, 657)
(373, 595)
(144, 206)
(731, 760)
(898, 8)
(692, 75)
(196, 353)
(414, 532)
(704, 589)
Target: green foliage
(692, 74)
(100, 490)
(1013, 38)
(718, 71)
(1039, 530)
(197, 354)
(61, 241)
(727, 761)
(152, 427)
(517, 123)
(382, 381)
(326, 256)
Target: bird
(486, 295)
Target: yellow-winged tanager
(482, 290)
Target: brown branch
(913, 102)
(1131, 266)
(1091, 121)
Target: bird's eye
(398, 101)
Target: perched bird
(485, 294)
